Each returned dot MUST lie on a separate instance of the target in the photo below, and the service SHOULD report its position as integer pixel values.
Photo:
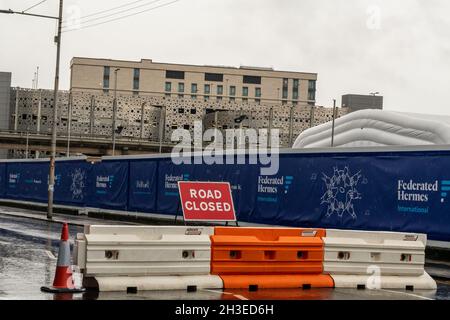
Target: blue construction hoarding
(391, 191)
(108, 185)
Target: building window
(258, 92)
(232, 99)
(245, 91)
(232, 91)
(220, 90)
(312, 90)
(284, 102)
(207, 89)
(194, 88)
(168, 86)
(170, 74)
(295, 89)
(181, 87)
(193, 97)
(106, 73)
(217, 77)
(206, 98)
(181, 96)
(252, 79)
(136, 76)
(285, 88)
(258, 101)
(244, 100)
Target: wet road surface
(29, 247)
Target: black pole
(334, 118)
(51, 183)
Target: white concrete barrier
(144, 251)
(422, 282)
(376, 260)
(158, 283)
(354, 252)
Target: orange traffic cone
(63, 282)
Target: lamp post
(114, 112)
(373, 94)
(27, 145)
(161, 126)
(51, 183)
(51, 180)
(334, 118)
(69, 125)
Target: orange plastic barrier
(291, 281)
(264, 251)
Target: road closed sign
(206, 201)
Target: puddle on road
(24, 264)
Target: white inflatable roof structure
(368, 128)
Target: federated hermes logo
(171, 183)
(14, 178)
(270, 187)
(103, 183)
(445, 189)
(341, 192)
(414, 196)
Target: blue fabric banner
(387, 191)
(2, 179)
(27, 181)
(72, 182)
(108, 185)
(168, 199)
(143, 185)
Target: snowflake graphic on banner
(77, 186)
(341, 192)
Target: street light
(373, 94)
(332, 126)
(51, 183)
(114, 112)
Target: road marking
(217, 291)
(409, 294)
(50, 254)
(240, 297)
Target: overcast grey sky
(400, 48)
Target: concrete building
(153, 118)
(5, 115)
(356, 102)
(154, 99)
(208, 83)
